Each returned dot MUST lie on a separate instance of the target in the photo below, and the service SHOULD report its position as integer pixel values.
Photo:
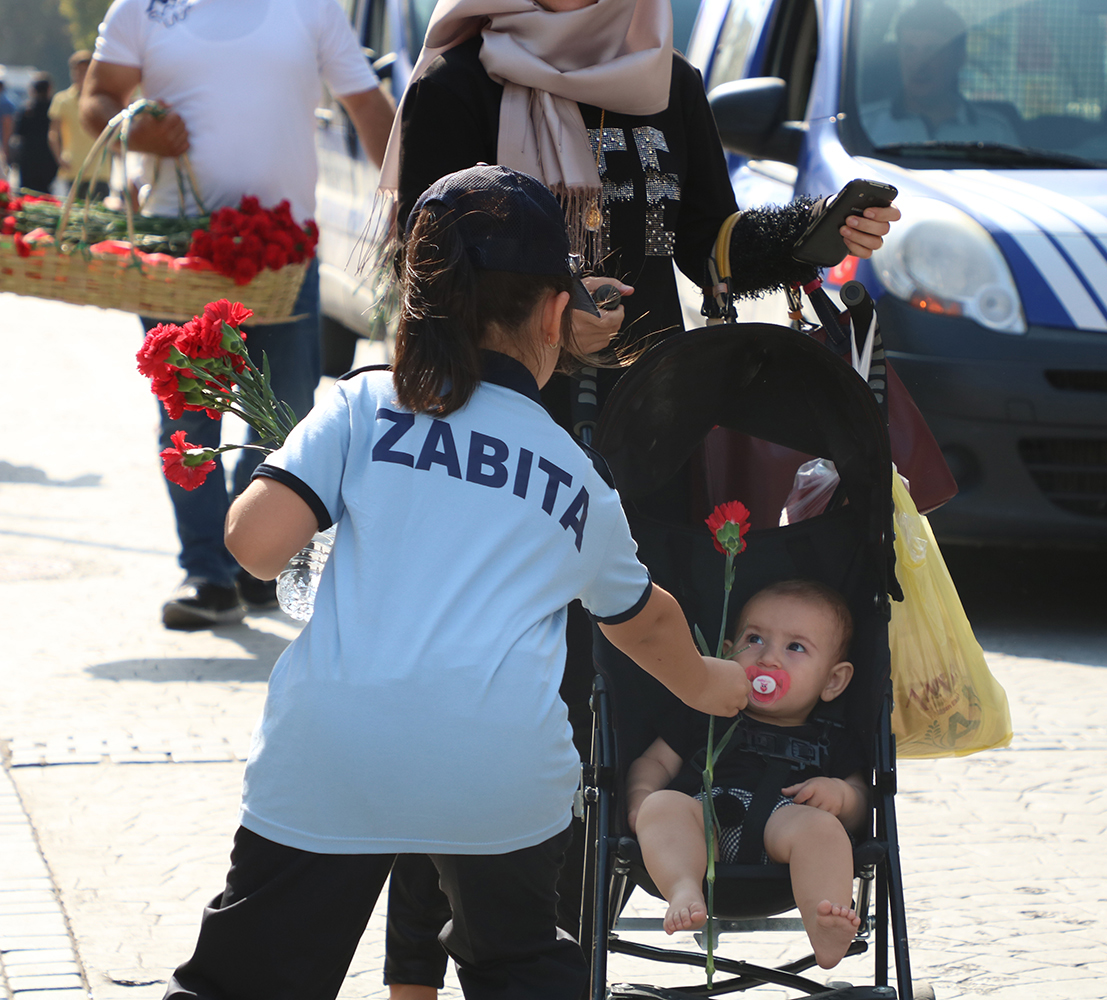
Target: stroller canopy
(766, 381)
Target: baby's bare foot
(687, 910)
(832, 932)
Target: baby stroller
(789, 394)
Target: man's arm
(372, 112)
(107, 91)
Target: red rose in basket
(203, 365)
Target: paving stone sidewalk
(123, 744)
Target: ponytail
(448, 306)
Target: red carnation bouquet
(729, 524)
(203, 365)
(241, 242)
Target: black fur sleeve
(761, 248)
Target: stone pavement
(123, 743)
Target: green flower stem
(710, 820)
(256, 404)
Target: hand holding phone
(821, 243)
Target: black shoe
(258, 595)
(198, 603)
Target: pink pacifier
(768, 685)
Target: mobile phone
(822, 243)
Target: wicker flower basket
(117, 275)
(160, 289)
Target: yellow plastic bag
(947, 703)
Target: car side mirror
(750, 117)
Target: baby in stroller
(793, 638)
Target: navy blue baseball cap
(508, 221)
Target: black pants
(288, 922)
(418, 909)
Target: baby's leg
(817, 850)
(670, 833)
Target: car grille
(1071, 473)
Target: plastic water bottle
(299, 580)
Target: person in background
(241, 83)
(7, 126)
(927, 104)
(69, 141)
(37, 164)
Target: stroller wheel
(922, 991)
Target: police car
(990, 117)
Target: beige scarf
(614, 54)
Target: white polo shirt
(418, 710)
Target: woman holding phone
(590, 97)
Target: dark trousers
(288, 922)
(417, 907)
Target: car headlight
(943, 261)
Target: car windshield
(981, 82)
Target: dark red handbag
(916, 453)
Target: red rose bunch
(242, 242)
(203, 365)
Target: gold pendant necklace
(593, 215)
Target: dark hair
(935, 16)
(40, 86)
(815, 593)
(448, 306)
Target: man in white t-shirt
(241, 81)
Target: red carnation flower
(153, 355)
(200, 245)
(252, 248)
(245, 270)
(165, 388)
(729, 523)
(202, 337)
(275, 257)
(21, 246)
(175, 462)
(225, 311)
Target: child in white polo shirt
(418, 710)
